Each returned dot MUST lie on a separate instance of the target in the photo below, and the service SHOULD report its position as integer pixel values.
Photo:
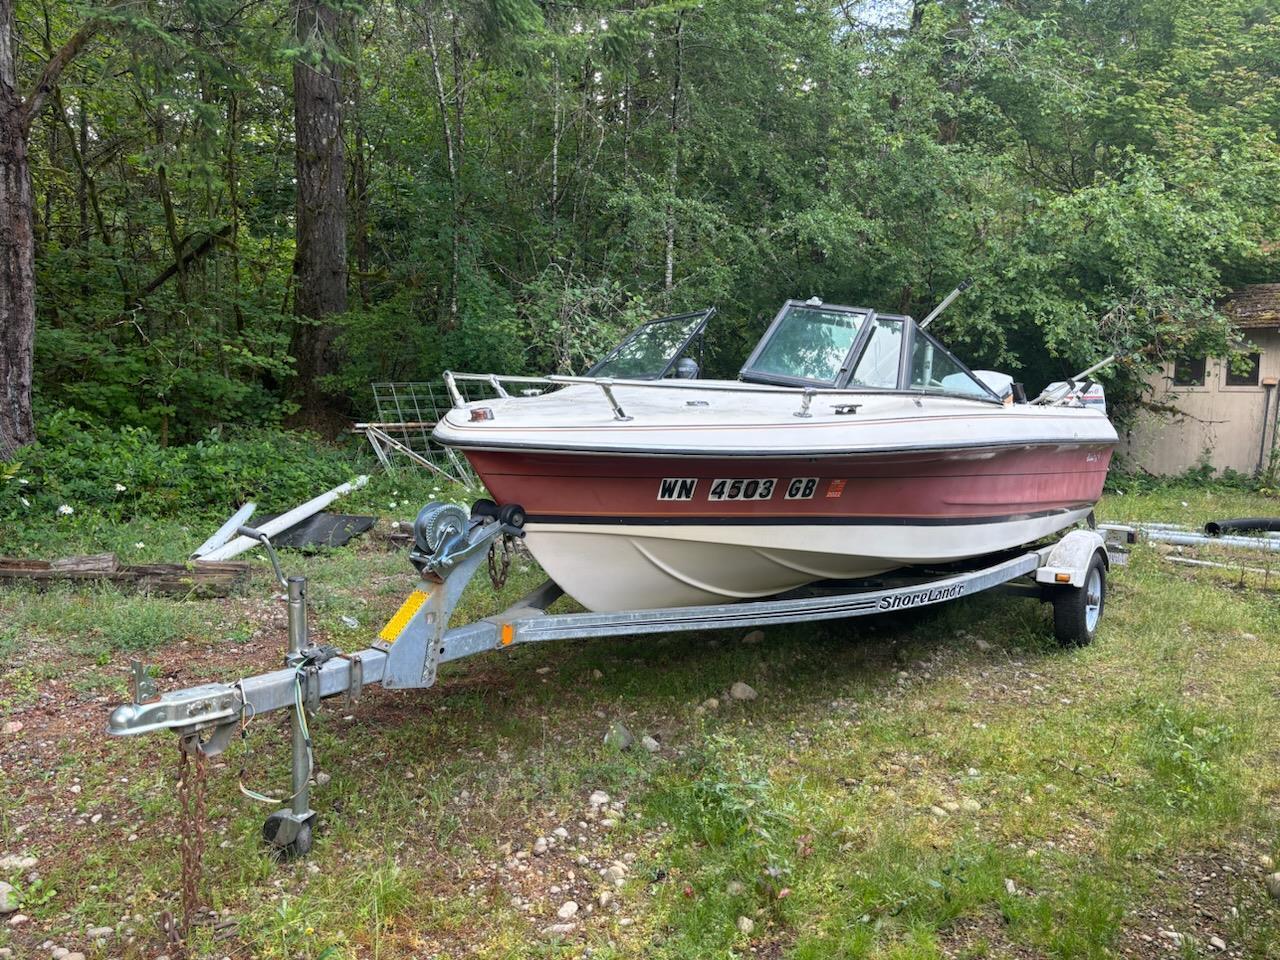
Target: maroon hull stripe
(906, 488)
(780, 521)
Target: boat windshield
(821, 344)
(933, 369)
(807, 344)
(651, 351)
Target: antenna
(933, 315)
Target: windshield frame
(848, 366)
(705, 314)
(904, 369)
(748, 375)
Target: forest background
(243, 212)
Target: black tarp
(320, 530)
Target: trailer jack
(450, 547)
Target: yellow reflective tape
(395, 626)
(508, 634)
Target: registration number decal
(677, 488)
(742, 489)
(802, 488)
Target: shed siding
(1220, 425)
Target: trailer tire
(1077, 611)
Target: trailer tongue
(450, 547)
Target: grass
(942, 783)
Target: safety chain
(498, 574)
(193, 780)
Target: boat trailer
(449, 548)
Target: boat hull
(631, 532)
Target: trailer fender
(1066, 562)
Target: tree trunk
(673, 173)
(17, 253)
(320, 260)
(17, 223)
(453, 158)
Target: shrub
(125, 473)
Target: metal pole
(241, 517)
(298, 638)
(1262, 440)
(933, 314)
(1275, 430)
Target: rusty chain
(498, 574)
(193, 779)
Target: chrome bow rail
(608, 384)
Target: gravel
(619, 737)
(568, 910)
(1273, 886)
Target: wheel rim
(1093, 599)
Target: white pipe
(225, 531)
(286, 520)
(1150, 528)
(1188, 562)
(1204, 540)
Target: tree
(320, 259)
(17, 222)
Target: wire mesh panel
(401, 434)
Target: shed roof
(1254, 305)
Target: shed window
(1245, 375)
(1189, 373)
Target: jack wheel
(1077, 611)
(299, 846)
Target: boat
(852, 443)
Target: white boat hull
(610, 567)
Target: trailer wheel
(1078, 610)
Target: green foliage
(1104, 172)
(1185, 751)
(126, 473)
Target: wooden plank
(90, 563)
(172, 579)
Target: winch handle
(253, 533)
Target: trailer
(450, 547)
